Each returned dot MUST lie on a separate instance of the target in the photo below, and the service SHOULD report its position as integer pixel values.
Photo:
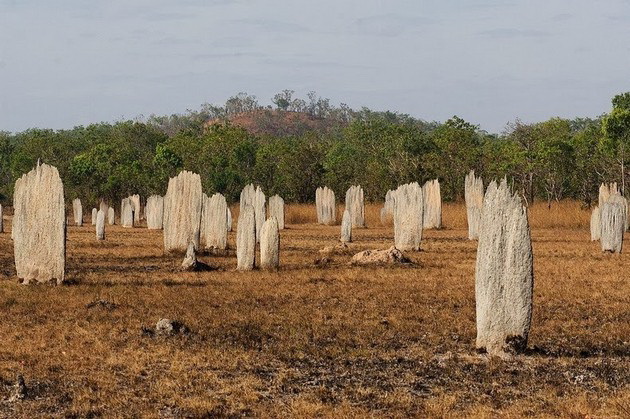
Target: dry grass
(564, 214)
(306, 340)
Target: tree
(500, 157)
(191, 120)
(317, 106)
(283, 99)
(590, 167)
(378, 151)
(523, 136)
(621, 101)
(314, 143)
(616, 127)
(224, 156)
(120, 163)
(240, 103)
(6, 184)
(291, 167)
(166, 164)
(554, 157)
(457, 146)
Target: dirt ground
(314, 339)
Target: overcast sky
(72, 62)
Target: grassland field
(311, 339)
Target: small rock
(442, 359)
(323, 261)
(101, 303)
(20, 390)
(168, 327)
(147, 331)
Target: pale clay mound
(380, 257)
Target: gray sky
(72, 62)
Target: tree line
(296, 145)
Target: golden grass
(563, 214)
(334, 341)
(300, 214)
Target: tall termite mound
(39, 226)
(596, 226)
(473, 194)
(77, 212)
(111, 216)
(504, 278)
(355, 205)
(270, 244)
(246, 239)
(605, 192)
(276, 210)
(408, 216)
(154, 212)
(100, 225)
(346, 227)
(387, 212)
(214, 221)
(255, 197)
(127, 213)
(613, 217)
(432, 199)
(135, 199)
(325, 206)
(182, 212)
